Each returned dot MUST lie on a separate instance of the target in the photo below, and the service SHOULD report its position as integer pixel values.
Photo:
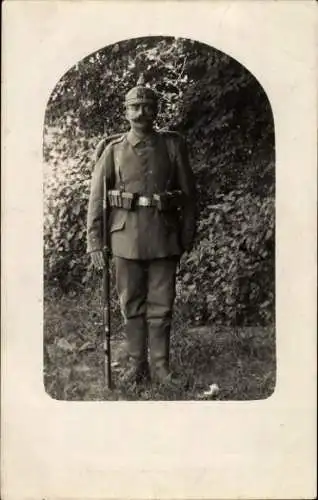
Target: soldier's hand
(97, 258)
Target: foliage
(225, 115)
(229, 276)
(66, 193)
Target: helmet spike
(141, 79)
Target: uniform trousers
(146, 290)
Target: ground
(241, 361)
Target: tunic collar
(133, 139)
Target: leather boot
(138, 368)
(159, 343)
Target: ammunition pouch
(164, 202)
(122, 199)
(168, 201)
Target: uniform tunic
(148, 166)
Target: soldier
(151, 200)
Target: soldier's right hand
(97, 259)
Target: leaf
(50, 351)
(87, 346)
(77, 209)
(65, 372)
(186, 277)
(64, 345)
(82, 368)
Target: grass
(241, 361)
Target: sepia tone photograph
(159, 250)
(159, 227)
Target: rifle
(106, 292)
(106, 270)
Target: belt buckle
(144, 201)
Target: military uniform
(148, 237)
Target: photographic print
(159, 227)
(159, 215)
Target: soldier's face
(141, 115)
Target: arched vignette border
(208, 47)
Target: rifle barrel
(106, 295)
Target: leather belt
(164, 201)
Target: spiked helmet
(141, 93)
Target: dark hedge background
(226, 118)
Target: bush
(66, 193)
(227, 119)
(229, 276)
